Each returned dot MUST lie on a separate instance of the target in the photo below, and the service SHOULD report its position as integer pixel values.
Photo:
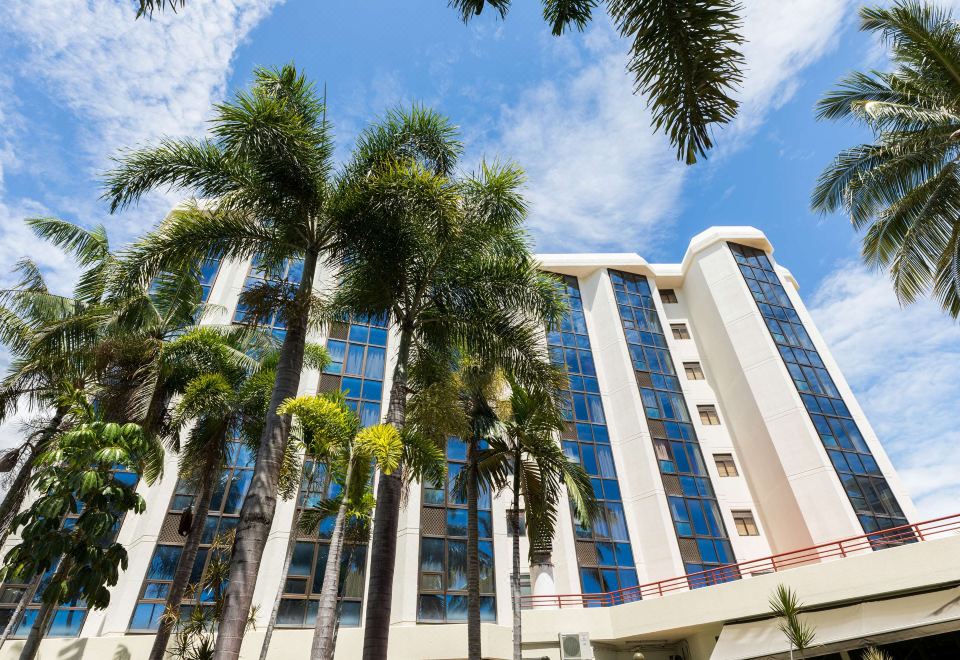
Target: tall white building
(721, 437)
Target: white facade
(785, 480)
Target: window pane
(164, 562)
(431, 608)
(375, 363)
(291, 612)
(456, 565)
(302, 559)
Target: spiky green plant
(903, 188)
(785, 605)
(331, 429)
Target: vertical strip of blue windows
(701, 534)
(208, 275)
(358, 352)
(228, 496)
(604, 553)
(866, 487)
(442, 576)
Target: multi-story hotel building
(727, 450)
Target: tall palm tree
(51, 340)
(447, 261)
(684, 56)
(525, 456)
(60, 344)
(904, 187)
(455, 396)
(266, 180)
(335, 431)
(265, 173)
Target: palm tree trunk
(260, 504)
(47, 609)
(383, 550)
(515, 577)
(185, 565)
(473, 554)
(326, 623)
(21, 484)
(16, 494)
(291, 546)
(348, 563)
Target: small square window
(746, 525)
(693, 370)
(668, 296)
(725, 465)
(708, 415)
(680, 331)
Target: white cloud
(782, 39)
(599, 175)
(128, 81)
(904, 365)
(113, 82)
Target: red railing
(895, 536)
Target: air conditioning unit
(575, 646)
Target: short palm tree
(447, 261)
(78, 475)
(222, 396)
(684, 56)
(785, 605)
(332, 429)
(904, 187)
(525, 457)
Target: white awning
(847, 627)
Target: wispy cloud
(117, 83)
(600, 178)
(110, 82)
(904, 365)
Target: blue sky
(79, 80)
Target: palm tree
(873, 653)
(903, 187)
(266, 175)
(51, 340)
(446, 260)
(334, 430)
(455, 397)
(60, 344)
(266, 179)
(526, 457)
(224, 394)
(684, 56)
(785, 605)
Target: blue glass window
(442, 578)
(674, 439)
(838, 431)
(586, 441)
